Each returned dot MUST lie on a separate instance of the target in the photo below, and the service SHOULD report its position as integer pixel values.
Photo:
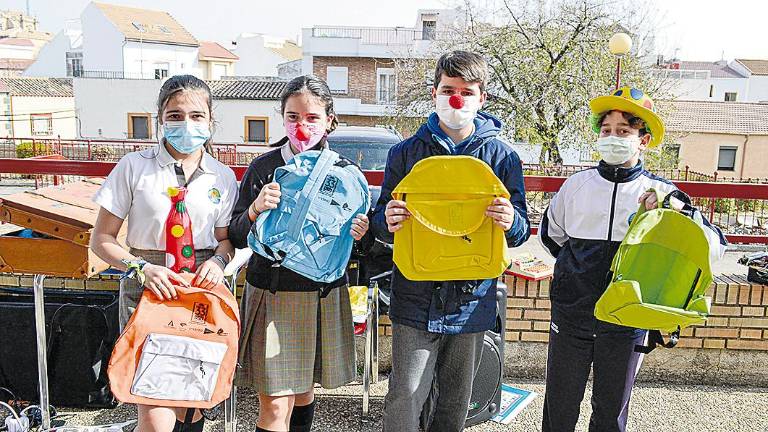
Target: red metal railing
(103, 149)
(538, 191)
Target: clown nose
(456, 101)
(302, 133)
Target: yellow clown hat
(633, 101)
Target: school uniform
(296, 332)
(583, 227)
(137, 190)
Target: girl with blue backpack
(296, 332)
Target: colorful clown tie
(179, 248)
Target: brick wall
(737, 321)
(361, 74)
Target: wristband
(221, 260)
(135, 269)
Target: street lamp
(619, 45)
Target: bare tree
(547, 59)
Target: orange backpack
(178, 353)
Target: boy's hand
(395, 214)
(652, 201)
(502, 212)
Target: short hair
(462, 64)
(634, 121)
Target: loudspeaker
(486, 387)
(484, 403)
(81, 326)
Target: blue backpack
(308, 232)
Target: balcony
(382, 42)
(101, 74)
(365, 102)
(377, 35)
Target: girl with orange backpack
(178, 201)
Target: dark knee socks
(189, 427)
(301, 418)
(258, 429)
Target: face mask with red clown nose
(457, 111)
(304, 136)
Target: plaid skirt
(292, 340)
(130, 290)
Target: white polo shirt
(137, 188)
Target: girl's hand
(268, 198)
(359, 226)
(209, 274)
(159, 280)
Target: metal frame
(42, 349)
(371, 361)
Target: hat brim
(652, 121)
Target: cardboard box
(62, 218)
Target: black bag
(81, 327)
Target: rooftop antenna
(28, 8)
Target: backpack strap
(656, 339)
(323, 164)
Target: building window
(730, 96)
(218, 70)
(256, 129)
(74, 64)
(726, 160)
(164, 29)
(428, 30)
(386, 86)
(338, 79)
(140, 27)
(42, 124)
(139, 125)
(161, 72)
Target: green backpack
(659, 276)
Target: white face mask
(457, 118)
(618, 150)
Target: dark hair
(462, 64)
(181, 83)
(634, 121)
(316, 87)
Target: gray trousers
(418, 359)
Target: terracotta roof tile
(716, 117)
(214, 50)
(246, 89)
(147, 25)
(757, 67)
(16, 42)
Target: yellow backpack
(448, 236)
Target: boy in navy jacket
(438, 327)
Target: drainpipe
(743, 155)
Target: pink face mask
(304, 136)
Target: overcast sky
(694, 29)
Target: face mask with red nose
(457, 111)
(304, 136)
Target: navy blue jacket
(451, 307)
(583, 227)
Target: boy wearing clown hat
(583, 228)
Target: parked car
(368, 148)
